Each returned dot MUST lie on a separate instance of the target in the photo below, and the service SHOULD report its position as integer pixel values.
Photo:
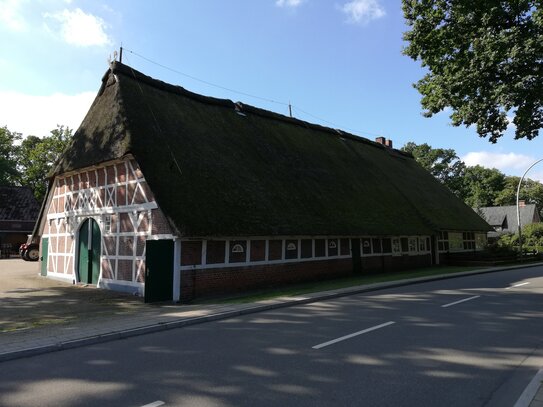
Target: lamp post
(518, 209)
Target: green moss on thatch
(260, 173)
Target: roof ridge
(118, 67)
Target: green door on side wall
(159, 270)
(44, 251)
(89, 252)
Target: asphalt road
(471, 341)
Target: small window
(345, 247)
(275, 250)
(405, 244)
(107, 223)
(320, 247)
(291, 249)
(376, 245)
(215, 251)
(306, 248)
(238, 249)
(191, 253)
(332, 247)
(422, 244)
(387, 245)
(366, 245)
(258, 250)
(413, 245)
(396, 246)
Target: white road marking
(373, 328)
(517, 285)
(154, 404)
(458, 302)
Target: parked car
(29, 251)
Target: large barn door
(44, 254)
(89, 252)
(159, 270)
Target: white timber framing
(95, 192)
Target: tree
(481, 186)
(531, 192)
(38, 155)
(8, 156)
(443, 164)
(483, 60)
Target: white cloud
(38, 115)
(363, 11)
(11, 15)
(508, 163)
(79, 28)
(288, 3)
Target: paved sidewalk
(144, 319)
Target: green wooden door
(159, 270)
(44, 251)
(89, 250)
(95, 251)
(83, 264)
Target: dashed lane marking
(517, 285)
(460, 301)
(373, 328)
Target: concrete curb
(259, 307)
(529, 393)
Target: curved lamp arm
(518, 209)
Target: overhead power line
(289, 105)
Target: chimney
(381, 140)
(521, 204)
(388, 143)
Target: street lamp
(518, 209)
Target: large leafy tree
(8, 156)
(531, 191)
(484, 61)
(482, 186)
(442, 163)
(38, 155)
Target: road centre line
(155, 404)
(373, 328)
(517, 285)
(460, 301)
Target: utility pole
(121, 54)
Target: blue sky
(338, 62)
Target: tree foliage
(477, 186)
(482, 186)
(442, 163)
(8, 156)
(29, 162)
(484, 61)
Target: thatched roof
(18, 204)
(216, 172)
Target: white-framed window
(469, 240)
(413, 245)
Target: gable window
(238, 249)
(107, 223)
(332, 247)
(291, 249)
(366, 245)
